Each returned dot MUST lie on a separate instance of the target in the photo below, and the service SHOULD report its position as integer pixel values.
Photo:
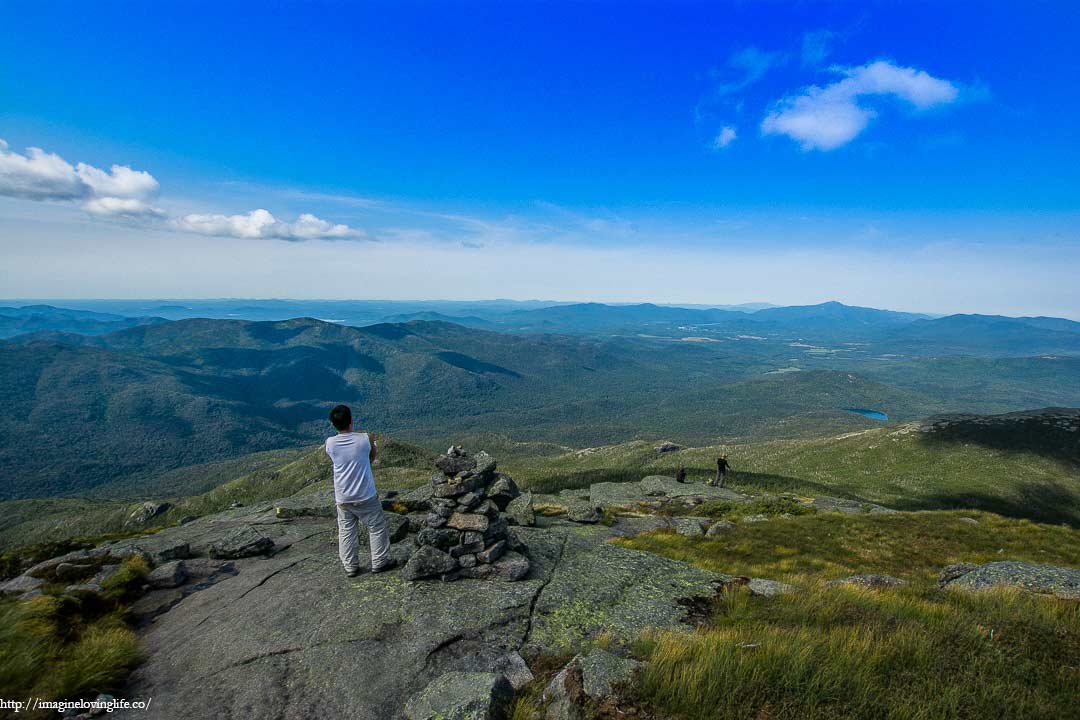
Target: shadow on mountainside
(1041, 502)
(1050, 432)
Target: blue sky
(913, 155)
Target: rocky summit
(466, 533)
(246, 613)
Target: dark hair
(341, 417)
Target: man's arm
(374, 449)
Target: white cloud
(125, 208)
(126, 195)
(38, 175)
(826, 118)
(121, 182)
(262, 224)
(726, 136)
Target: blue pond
(872, 414)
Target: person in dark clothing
(680, 475)
(722, 468)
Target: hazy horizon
(747, 306)
(683, 155)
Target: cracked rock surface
(288, 635)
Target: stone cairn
(466, 534)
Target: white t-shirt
(353, 481)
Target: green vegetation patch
(830, 545)
(58, 647)
(847, 652)
(841, 653)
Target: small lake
(872, 414)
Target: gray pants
(349, 517)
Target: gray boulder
(520, 510)
(83, 590)
(563, 695)
(719, 528)
(418, 499)
(462, 696)
(426, 562)
(1056, 580)
(656, 485)
(440, 538)
(21, 584)
(468, 521)
(485, 464)
(45, 568)
(66, 572)
(667, 447)
(241, 542)
(769, 588)
(511, 567)
(582, 511)
(951, 572)
(173, 551)
(170, 575)
(669, 487)
(503, 491)
(690, 526)
(513, 667)
(454, 464)
(603, 672)
(145, 512)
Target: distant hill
(989, 334)
(831, 314)
(154, 397)
(46, 318)
(432, 316)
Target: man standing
(355, 495)
(722, 468)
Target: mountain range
(109, 413)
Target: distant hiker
(722, 467)
(680, 475)
(355, 495)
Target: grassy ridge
(894, 466)
(912, 652)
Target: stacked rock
(465, 534)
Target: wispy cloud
(127, 195)
(745, 68)
(825, 118)
(742, 70)
(262, 224)
(725, 137)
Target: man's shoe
(388, 565)
(352, 573)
